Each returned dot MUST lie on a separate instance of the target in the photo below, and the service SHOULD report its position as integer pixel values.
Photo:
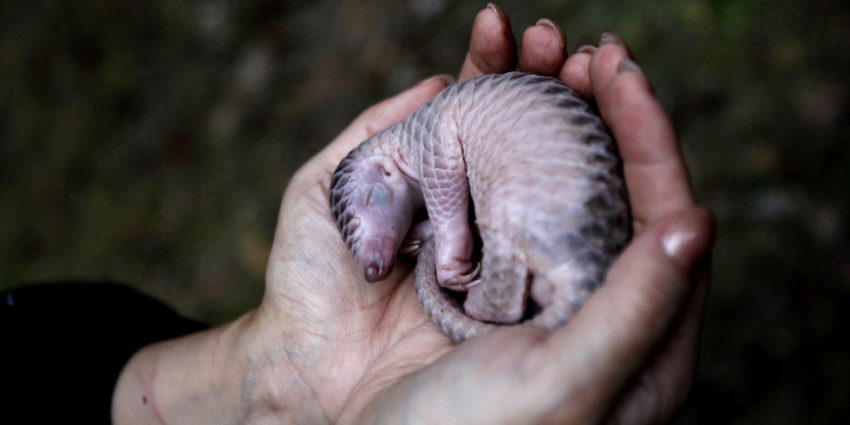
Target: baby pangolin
(545, 181)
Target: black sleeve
(64, 344)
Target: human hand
(325, 346)
(629, 355)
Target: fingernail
(445, 78)
(494, 8)
(610, 37)
(689, 238)
(549, 23)
(628, 65)
(587, 48)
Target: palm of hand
(377, 331)
(372, 334)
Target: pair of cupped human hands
(326, 347)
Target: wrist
(245, 372)
(196, 378)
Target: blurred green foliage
(150, 142)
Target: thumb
(615, 332)
(382, 115)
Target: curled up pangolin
(545, 181)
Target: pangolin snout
(379, 265)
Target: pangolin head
(372, 203)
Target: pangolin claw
(466, 281)
(411, 248)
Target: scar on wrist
(148, 397)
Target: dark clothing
(64, 344)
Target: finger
(543, 48)
(492, 47)
(653, 165)
(574, 72)
(664, 385)
(616, 331)
(382, 115)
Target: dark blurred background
(150, 142)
